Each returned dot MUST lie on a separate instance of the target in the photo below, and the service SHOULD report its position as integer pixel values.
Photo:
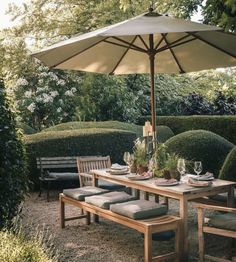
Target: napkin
(118, 167)
(206, 177)
(193, 182)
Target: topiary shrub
(201, 145)
(164, 133)
(228, 170)
(83, 142)
(13, 175)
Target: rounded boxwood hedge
(224, 126)
(201, 145)
(164, 132)
(228, 170)
(83, 142)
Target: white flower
(39, 99)
(61, 82)
(28, 94)
(22, 82)
(31, 107)
(69, 93)
(43, 74)
(59, 109)
(47, 98)
(54, 93)
(41, 81)
(61, 101)
(65, 114)
(53, 76)
(73, 90)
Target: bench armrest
(86, 175)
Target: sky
(5, 19)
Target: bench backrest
(85, 164)
(45, 163)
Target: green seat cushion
(139, 209)
(81, 193)
(63, 176)
(224, 221)
(105, 200)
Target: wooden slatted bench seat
(145, 226)
(56, 169)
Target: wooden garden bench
(145, 226)
(52, 169)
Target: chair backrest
(87, 163)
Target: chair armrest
(213, 207)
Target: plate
(166, 182)
(138, 177)
(199, 185)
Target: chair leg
(40, 188)
(157, 200)
(147, 247)
(88, 218)
(62, 213)
(201, 235)
(177, 241)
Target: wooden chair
(214, 226)
(87, 163)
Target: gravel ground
(106, 241)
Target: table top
(218, 185)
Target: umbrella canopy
(149, 43)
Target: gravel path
(106, 241)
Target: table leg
(183, 210)
(95, 183)
(230, 199)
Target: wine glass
(126, 157)
(130, 161)
(181, 167)
(198, 168)
(151, 166)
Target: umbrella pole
(153, 104)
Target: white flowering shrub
(47, 97)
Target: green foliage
(14, 247)
(164, 133)
(26, 129)
(201, 145)
(13, 175)
(171, 161)
(224, 126)
(228, 170)
(140, 153)
(79, 142)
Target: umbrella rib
(123, 55)
(158, 44)
(78, 53)
(125, 46)
(173, 54)
(172, 45)
(213, 45)
(128, 44)
(144, 43)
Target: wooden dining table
(182, 192)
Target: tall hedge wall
(224, 126)
(82, 142)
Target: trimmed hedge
(228, 170)
(224, 126)
(201, 145)
(82, 142)
(164, 132)
(101, 124)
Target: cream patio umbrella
(149, 43)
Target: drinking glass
(181, 167)
(126, 157)
(151, 166)
(198, 168)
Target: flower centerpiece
(140, 156)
